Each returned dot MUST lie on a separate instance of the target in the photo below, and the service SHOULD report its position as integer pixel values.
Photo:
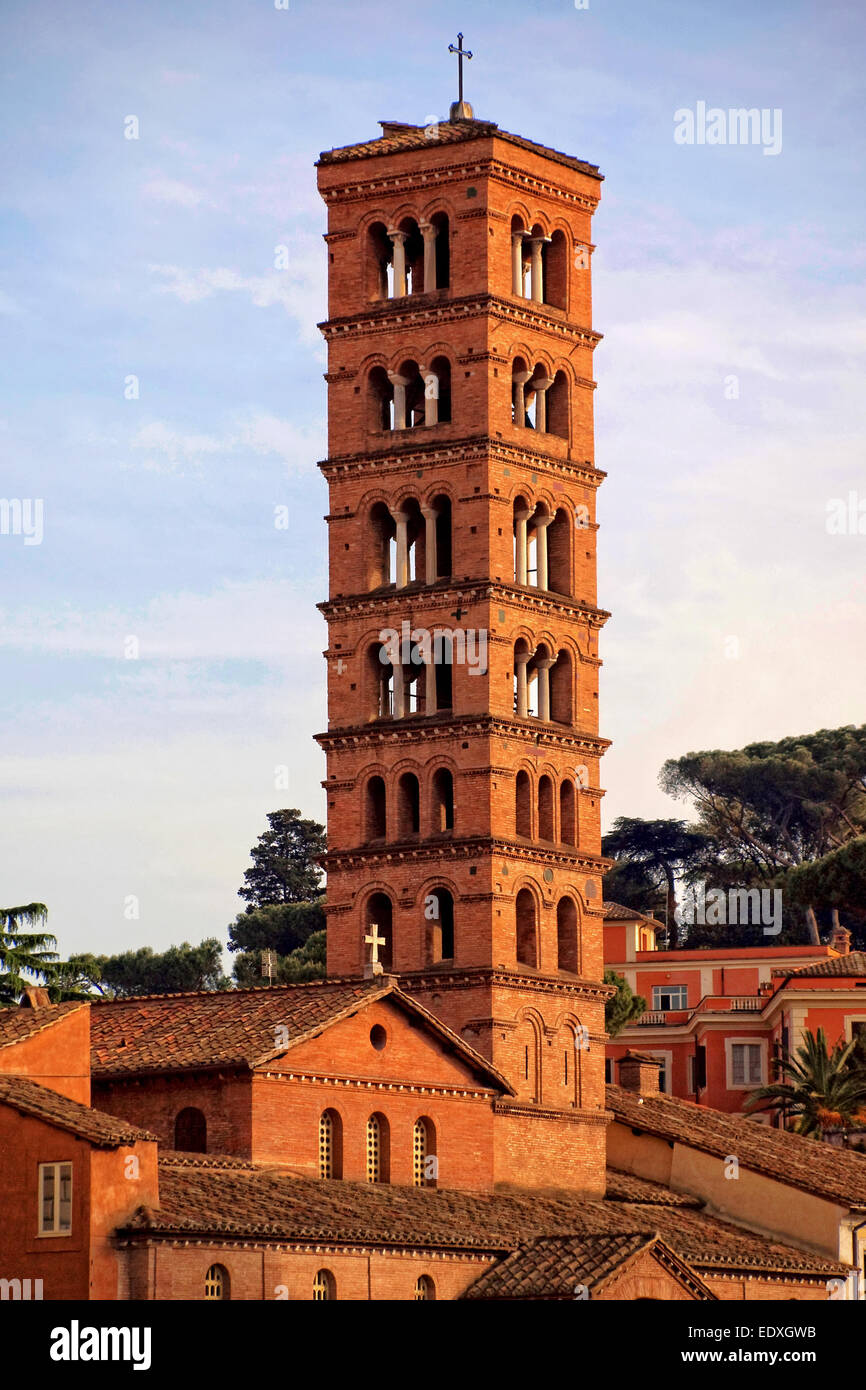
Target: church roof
(792, 1159)
(851, 965)
(208, 1198)
(18, 1023)
(398, 136)
(155, 1034)
(552, 1266)
(101, 1130)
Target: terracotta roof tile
(397, 136)
(789, 1158)
(264, 1204)
(552, 1266)
(627, 1187)
(101, 1130)
(854, 964)
(154, 1034)
(16, 1023)
(615, 912)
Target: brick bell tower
(462, 746)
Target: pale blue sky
(154, 257)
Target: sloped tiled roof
(16, 1023)
(256, 1203)
(553, 1266)
(615, 912)
(242, 1028)
(101, 1130)
(627, 1187)
(854, 965)
(789, 1158)
(398, 136)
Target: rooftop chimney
(840, 941)
(35, 997)
(639, 1072)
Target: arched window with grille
(330, 1145)
(377, 1149)
(324, 1287)
(217, 1283)
(425, 1289)
(424, 1162)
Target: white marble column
(431, 395)
(399, 383)
(398, 241)
(541, 524)
(517, 263)
(428, 231)
(536, 274)
(520, 519)
(519, 380)
(543, 668)
(542, 385)
(399, 692)
(430, 551)
(521, 661)
(401, 521)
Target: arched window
(324, 1287)
(442, 818)
(526, 934)
(408, 805)
(380, 400)
(381, 547)
(545, 808)
(379, 914)
(555, 258)
(424, 1165)
(527, 1046)
(520, 374)
(567, 952)
(525, 686)
(425, 1289)
(567, 813)
(442, 568)
(439, 921)
(442, 279)
(440, 370)
(561, 711)
(523, 806)
(378, 258)
(217, 1283)
(330, 1145)
(521, 512)
(519, 263)
(374, 809)
(190, 1131)
(379, 682)
(443, 656)
(557, 406)
(559, 542)
(378, 1155)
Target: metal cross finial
(461, 54)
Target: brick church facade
(431, 1120)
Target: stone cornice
(421, 597)
(489, 978)
(408, 453)
(414, 310)
(540, 1111)
(416, 1088)
(372, 857)
(420, 729)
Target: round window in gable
(378, 1036)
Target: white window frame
(666, 1074)
(55, 1171)
(730, 1044)
(669, 989)
(849, 1020)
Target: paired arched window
(566, 831)
(374, 818)
(330, 1145)
(543, 684)
(378, 1149)
(324, 1287)
(416, 394)
(410, 258)
(539, 401)
(409, 544)
(539, 264)
(414, 676)
(190, 1131)
(217, 1284)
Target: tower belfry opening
(463, 744)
